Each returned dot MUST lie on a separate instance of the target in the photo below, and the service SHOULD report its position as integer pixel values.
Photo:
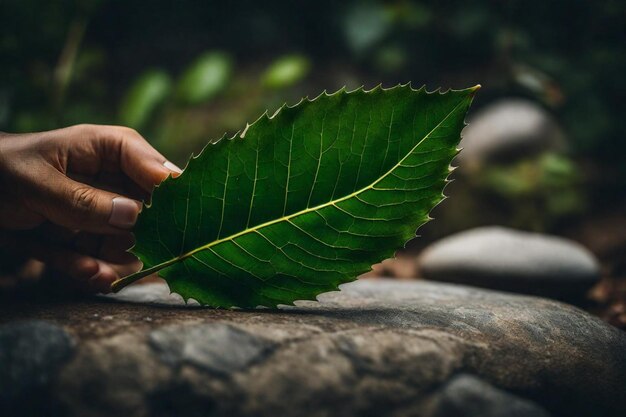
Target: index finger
(95, 148)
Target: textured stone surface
(507, 259)
(468, 396)
(379, 348)
(31, 353)
(213, 347)
(507, 129)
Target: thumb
(78, 206)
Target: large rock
(31, 353)
(511, 260)
(508, 129)
(378, 347)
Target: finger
(115, 182)
(115, 148)
(116, 252)
(15, 217)
(113, 249)
(79, 206)
(85, 271)
(124, 269)
(53, 234)
(110, 248)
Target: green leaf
(303, 200)
(206, 77)
(146, 93)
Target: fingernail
(173, 168)
(123, 213)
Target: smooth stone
(31, 353)
(511, 260)
(509, 129)
(378, 347)
(215, 347)
(153, 293)
(468, 396)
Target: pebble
(512, 260)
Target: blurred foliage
(286, 71)
(151, 89)
(539, 190)
(204, 78)
(185, 72)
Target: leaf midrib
(122, 282)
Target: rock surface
(378, 347)
(509, 129)
(511, 260)
(214, 347)
(468, 396)
(31, 353)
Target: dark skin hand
(69, 198)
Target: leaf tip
(474, 89)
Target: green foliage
(550, 173)
(146, 93)
(54, 74)
(304, 200)
(286, 71)
(206, 77)
(540, 190)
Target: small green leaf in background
(143, 97)
(205, 77)
(286, 71)
(304, 200)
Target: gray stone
(509, 128)
(506, 259)
(215, 347)
(378, 347)
(153, 293)
(468, 396)
(31, 352)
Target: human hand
(68, 197)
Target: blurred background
(544, 152)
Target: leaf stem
(129, 279)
